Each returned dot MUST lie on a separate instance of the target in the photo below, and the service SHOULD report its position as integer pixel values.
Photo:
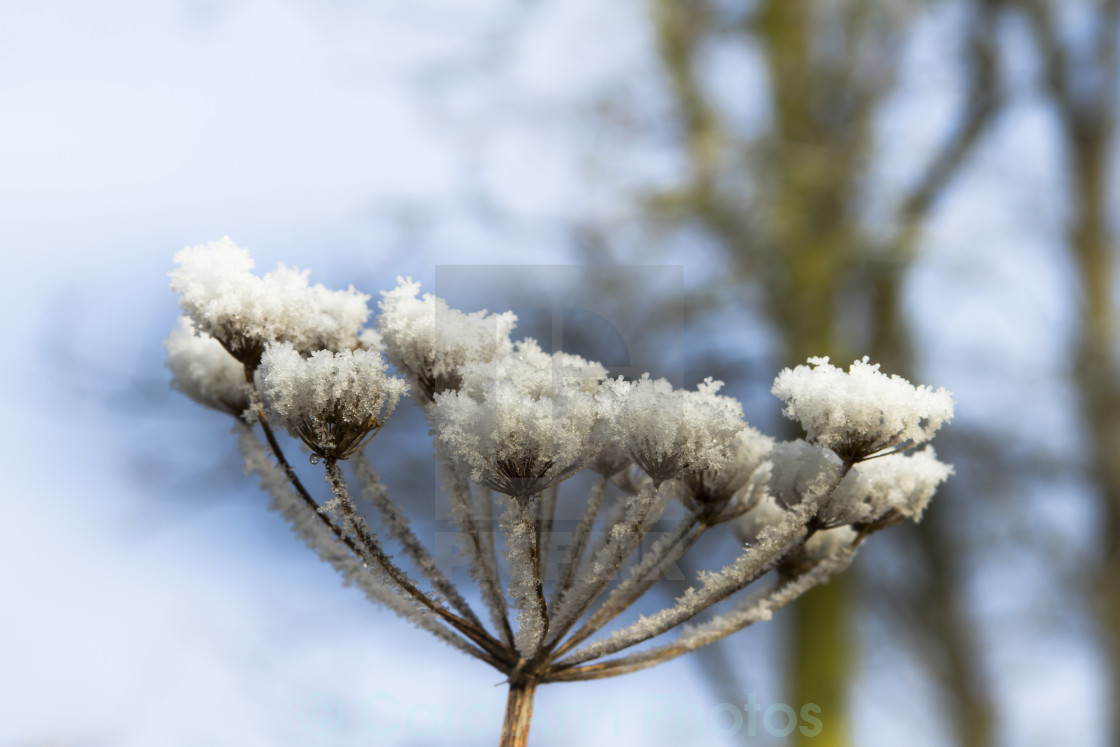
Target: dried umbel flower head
(245, 312)
(899, 485)
(671, 432)
(204, 371)
(430, 341)
(860, 412)
(533, 371)
(709, 491)
(513, 442)
(334, 402)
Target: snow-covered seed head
(533, 371)
(766, 513)
(244, 312)
(333, 402)
(821, 545)
(204, 371)
(899, 485)
(862, 411)
(430, 341)
(802, 472)
(671, 432)
(513, 442)
(712, 489)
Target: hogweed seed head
(333, 402)
(709, 490)
(860, 412)
(431, 341)
(245, 312)
(203, 369)
(672, 432)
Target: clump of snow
(748, 452)
(513, 442)
(245, 312)
(802, 472)
(431, 341)
(766, 513)
(900, 483)
(533, 371)
(828, 542)
(671, 432)
(333, 401)
(862, 411)
(203, 370)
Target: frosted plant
(861, 412)
(512, 423)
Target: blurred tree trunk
(1081, 82)
(803, 244)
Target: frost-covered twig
(580, 536)
(372, 552)
(619, 541)
(666, 551)
(755, 561)
(308, 525)
(399, 529)
(525, 585)
(478, 545)
(759, 607)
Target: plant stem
(519, 712)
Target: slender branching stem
(534, 560)
(492, 651)
(580, 537)
(645, 575)
(399, 527)
(372, 547)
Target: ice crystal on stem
(511, 422)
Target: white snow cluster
(533, 371)
(802, 472)
(203, 370)
(245, 312)
(766, 513)
(671, 432)
(749, 451)
(513, 442)
(862, 411)
(332, 401)
(902, 483)
(432, 341)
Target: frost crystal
(203, 370)
(334, 402)
(245, 312)
(670, 432)
(863, 411)
(431, 341)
